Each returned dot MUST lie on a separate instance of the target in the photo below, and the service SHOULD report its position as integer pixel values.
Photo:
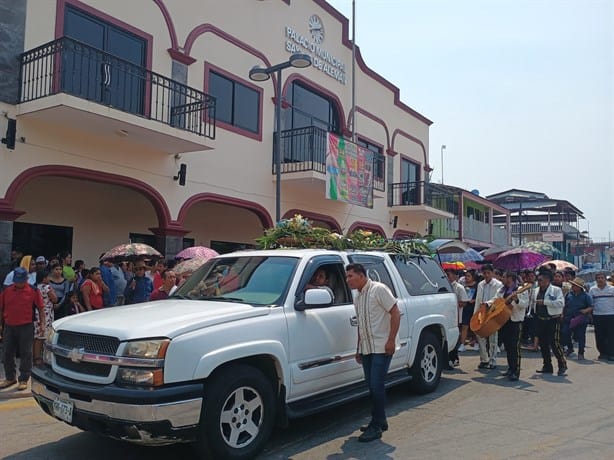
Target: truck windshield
(256, 280)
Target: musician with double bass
(488, 291)
(512, 330)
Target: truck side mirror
(315, 298)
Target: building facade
(137, 121)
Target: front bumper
(145, 416)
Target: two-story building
(139, 121)
(536, 217)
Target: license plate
(63, 410)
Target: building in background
(536, 217)
(473, 221)
(138, 121)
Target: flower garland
(298, 232)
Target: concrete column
(6, 245)
(12, 34)
(169, 241)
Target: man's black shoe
(513, 377)
(545, 370)
(507, 373)
(365, 427)
(370, 434)
(482, 365)
(562, 371)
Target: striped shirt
(373, 304)
(603, 300)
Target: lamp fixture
(299, 61)
(181, 174)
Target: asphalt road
(472, 415)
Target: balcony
(303, 158)
(70, 83)
(421, 200)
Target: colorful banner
(349, 172)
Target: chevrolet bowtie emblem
(76, 354)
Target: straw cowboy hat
(579, 282)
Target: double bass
(488, 320)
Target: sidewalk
(11, 392)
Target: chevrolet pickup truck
(241, 347)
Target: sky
(521, 92)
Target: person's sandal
(22, 386)
(7, 383)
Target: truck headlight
(142, 377)
(147, 348)
(144, 374)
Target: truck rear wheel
(426, 371)
(238, 413)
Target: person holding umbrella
(140, 288)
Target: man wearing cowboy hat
(578, 304)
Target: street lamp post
(443, 147)
(299, 61)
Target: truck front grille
(90, 344)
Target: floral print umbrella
(131, 251)
(189, 265)
(197, 251)
(560, 265)
(542, 247)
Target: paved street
(473, 415)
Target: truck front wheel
(238, 413)
(426, 370)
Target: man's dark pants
(510, 334)
(18, 338)
(549, 333)
(604, 334)
(375, 367)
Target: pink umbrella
(519, 259)
(189, 266)
(197, 251)
(560, 264)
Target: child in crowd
(73, 307)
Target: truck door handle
(353, 321)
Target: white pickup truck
(240, 347)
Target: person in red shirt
(168, 285)
(17, 329)
(92, 289)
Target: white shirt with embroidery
(373, 304)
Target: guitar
(488, 320)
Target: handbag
(577, 321)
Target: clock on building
(316, 28)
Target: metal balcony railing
(422, 193)
(69, 66)
(304, 149)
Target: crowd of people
(58, 288)
(549, 311)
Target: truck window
(375, 268)
(421, 275)
(335, 275)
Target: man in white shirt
(378, 326)
(603, 316)
(488, 291)
(549, 303)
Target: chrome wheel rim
(428, 364)
(241, 417)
